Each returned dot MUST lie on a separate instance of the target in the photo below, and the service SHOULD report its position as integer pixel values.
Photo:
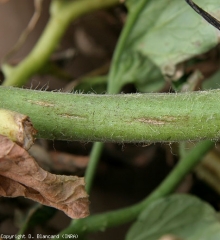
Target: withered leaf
(20, 175)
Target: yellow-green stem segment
(62, 14)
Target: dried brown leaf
(20, 175)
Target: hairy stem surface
(118, 118)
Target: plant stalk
(93, 162)
(118, 118)
(62, 14)
(114, 83)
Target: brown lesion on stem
(71, 116)
(160, 121)
(150, 121)
(41, 103)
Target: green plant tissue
(163, 34)
(183, 216)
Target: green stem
(102, 221)
(93, 162)
(118, 118)
(22, 230)
(62, 13)
(112, 88)
(114, 84)
(91, 168)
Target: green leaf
(138, 69)
(170, 31)
(163, 34)
(183, 216)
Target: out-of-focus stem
(94, 158)
(102, 221)
(62, 13)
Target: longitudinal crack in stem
(151, 121)
(41, 103)
(209, 18)
(72, 116)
